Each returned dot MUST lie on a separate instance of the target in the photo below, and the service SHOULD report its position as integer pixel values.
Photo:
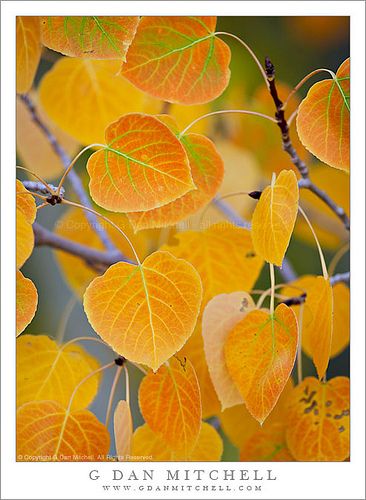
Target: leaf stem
(273, 284)
(47, 186)
(337, 257)
(321, 255)
(112, 393)
(65, 318)
(304, 80)
(127, 378)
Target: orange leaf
(27, 299)
(28, 49)
(143, 166)
(317, 319)
(102, 37)
(46, 432)
(207, 171)
(123, 430)
(260, 353)
(220, 316)
(170, 403)
(24, 238)
(239, 425)
(148, 446)
(46, 371)
(267, 445)
(323, 119)
(274, 217)
(145, 313)
(25, 203)
(318, 421)
(189, 65)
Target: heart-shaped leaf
(323, 119)
(274, 217)
(318, 423)
(27, 299)
(260, 353)
(188, 65)
(47, 432)
(96, 37)
(170, 403)
(145, 313)
(28, 51)
(143, 166)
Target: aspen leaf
(25, 203)
(76, 89)
(143, 166)
(33, 147)
(239, 425)
(24, 238)
(189, 65)
(47, 432)
(274, 217)
(28, 51)
(74, 226)
(223, 256)
(123, 430)
(267, 445)
(323, 119)
(26, 300)
(318, 422)
(317, 318)
(260, 353)
(147, 446)
(207, 171)
(45, 371)
(170, 403)
(341, 319)
(97, 37)
(145, 313)
(220, 316)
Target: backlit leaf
(27, 299)
(28, 51)
(267, 445)
(123, 430)
(260, 353)
(33, 147)
(323, 119)
(145, 313)
(318, 422)
(46, 432)
(189, 65)
(220, 316)
(207, 171)
(239, 425)
(170, 403)
(274, 217)
(25, 202)
(24, 238)
(317, 318)
(147, 446)
(98, 37)
(144, 166)
(44, 371)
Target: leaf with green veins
(260, 353)
(323, 120)
(145, 313)
(143, 166)
(93, 37)
(178, 59)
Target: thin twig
(39, 187)
(74, 179)
(340, 278)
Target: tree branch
(340, 278)
(305, 182)
(72, 176)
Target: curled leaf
(26, 300)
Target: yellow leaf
(28, 49)
(274, 217)
(267, 444)
(96, 37)
(260, 353)
(170, 403)
(145, 313)
(341, 319)
(123, 430)
(75, 90)
(220, 316)
(33, 147)
(27, 299)
(24, 238)
(25, 202)
(317, 319)
(46, 371)
(318, 423)
(46, 432)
